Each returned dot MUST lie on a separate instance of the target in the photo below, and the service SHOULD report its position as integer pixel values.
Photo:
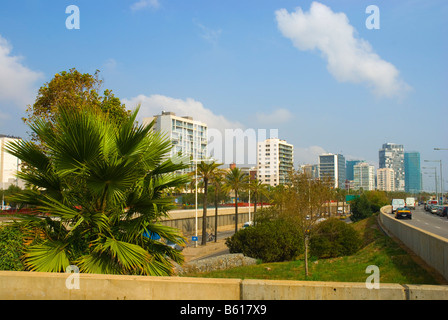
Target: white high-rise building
(275, 157)
(332, 166)
(9, 165)
(188, 136)
(364, 176)
(385, 179)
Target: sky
(331, 75)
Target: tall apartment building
(392, 156)
(349, 169)
(275, 158)
(188, 136)
(412, 172)
(385, 179)
(9, 165)
(333, 166)
(311, 170)
(364, 176)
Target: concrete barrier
(432, 248)
(314, 290)
(53, 286)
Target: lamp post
(441, 180)
(441, 177)
(435, 179)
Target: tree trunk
(204, 214)
(216, 214)
(306, 255)
(236, 211)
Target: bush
(361, 208)
(334, 238)
(11, 248)
(270, 241)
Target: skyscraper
(188, 136)
(385, 179)
(9, 165)
(412, 174)
(392, 156)
(333, 166)
(364, 176)
(275, 159)
(349, 172)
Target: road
(428, 222)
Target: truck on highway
(410, 202)
(397, 203)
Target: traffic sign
(194, 238)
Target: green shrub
(11, 248)
(361, 208)
(271, 241)
(334, 238)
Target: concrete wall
(428, 246)
(51, 286)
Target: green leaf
(49, 256)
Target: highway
(429, 222)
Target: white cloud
(349, 59)
(155, 104)
(278, 116)
(208, 34)
(309, 155)
(139, 5)
(17, 82)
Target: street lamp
(196, 195)
(441, 177)
(435, 180)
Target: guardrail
(432, 248)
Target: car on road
(403, 213)
(433, 208)
(442, 210)
(397, 203)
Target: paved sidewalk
(192, 253)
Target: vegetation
(395, 264)
(11, 248)
(276, 240)
(101, 186)
(235, 181)
(334, 238)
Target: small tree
(236, 180)
(206, 171)
(99, 189)
(361, 208)
(306, 199)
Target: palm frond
(49, 256)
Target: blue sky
(312, 70)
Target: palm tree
(217, 181)
(236, 180)
(99, 189)
(256, 187)
(206, 170)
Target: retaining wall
(52, 286)
(432, 248)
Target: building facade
(188, 136)
(385, 179)
(364, 176)
(332, 166)
(392, 156)
(412, 172)
(9, 165)
(275, 158)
